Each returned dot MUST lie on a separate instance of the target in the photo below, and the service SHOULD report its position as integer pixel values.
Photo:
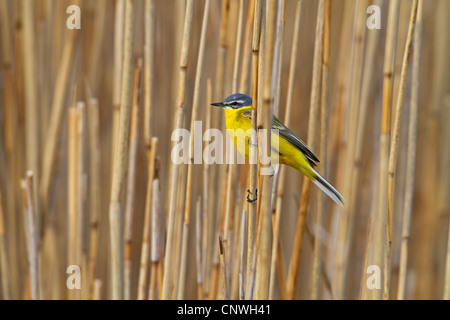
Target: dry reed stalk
(324, 110)
(394, 144)
(224, 202)
(32, 114)
(195, 105)
(53, 131)
(94, 173)
(208, 229)
(380, 221)
(363, 284)
(160, 276)
(216, 172)
(237, 53)
(366, 90)
(372, 208)
(282, 173)
(222, 55)
(235, 236)
(152, 282)
(265, 212)
(10, 149)
(31, 94)
(245, 68)
(149, 45)
(278, 189)
(232, 168)
(277, 64)
(145, 248)
(346, 220)
(42, 65)
(9, 108)
(97, 42)
(291, 282)
(56, 34)
(198, 248)
(253, 274)
(168, 280)
(31, 236)
(15, 223)
(53, 259)
(73, 190)
(97, 287)
(432, 177)
(179, 222)
(257, 222)
(236, 244)
(73, 182)
(223, 268)
(84, 293)
(313, 115)
(170, 248)
(81, 196)
(115, 211)
(215, 274)
(253, 150)
(216, 261)
(324, 275)
(242, 257)
(411, 155)
(281, 272)
(131, 179)
(81, 190)
(157, 234)
(4, 263)
(338, 140)
(445, 185)
(117, 73)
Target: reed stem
(411, 155)
(253, 150)
(168, 278)
(394, 144)
(115, 211)
(145, 249)
(192, 148)
(31, 233)
(94, 169)
(313, 116)
(381, 218)
(131, 179)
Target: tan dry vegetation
(86, 176)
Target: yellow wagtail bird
(290, 149)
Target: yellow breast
(238, 127)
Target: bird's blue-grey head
(235, 101)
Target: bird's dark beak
(218, 104)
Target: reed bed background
(87, 178)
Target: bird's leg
(248, 196)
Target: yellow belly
(238, 127)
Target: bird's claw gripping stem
(248, 196)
